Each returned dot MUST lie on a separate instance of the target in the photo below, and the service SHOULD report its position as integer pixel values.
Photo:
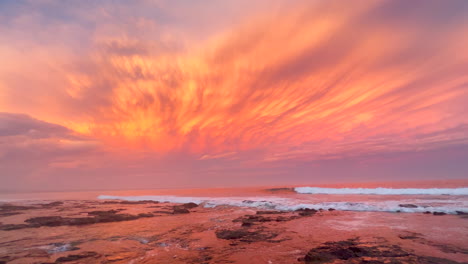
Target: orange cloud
(309, 81)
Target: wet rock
(102, 213)
(408, 205)
(162, 212)
(111, 202)
(180, 210)
(52, 204)
(131, 202)
(306, 211)
(3, 214)
(349, 249)
(439, 213)
(354, 251)
(427, 212)
(189, 205)
(244, 235)
(434, 260)
(139, 202)
(249, 220)
(284, 189)
(46, 221)
(408, 236)
(270, 212)
(9, 209)
(87, 254)
(461, 213)
(5, 259)
(81, 221)
(10, 227)
(36, 253)
(99, 217)
(141, 215)
(331, 209)
(115, 218)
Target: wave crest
(382, 191)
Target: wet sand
(93, 231)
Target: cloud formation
(298, 81)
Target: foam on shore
(289, 204)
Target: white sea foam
(383, 191)
(290, 204)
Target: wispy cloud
(302, 80)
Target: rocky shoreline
(148, 231)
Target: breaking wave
(382, 191)
(291, 204)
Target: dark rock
(461, 213)
(99, 217)
(306, 211)
(102, 213)
(76, 257)
(232, 234)
(408, 205)
(244, 235)
(9, 207)
(3, 214)
(353, 251)
(115, 218)
(408, 236)
(111, 202)
(46, 221)
(131, 202)
(81, 221)
(249, 220)
(189, 205)
(179, 210)
(145, 215)
(162, 212)
(9, 210)
(331, 209)
(52, 204)
(439, 213)
(139, 202)
(10, 227)
(5, 259)
(285, 218)
(350, 249)
(270, 212)
(427, 212)
(280, 189)
(434, 260)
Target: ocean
(405, 222)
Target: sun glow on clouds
(308, 80)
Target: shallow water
(280, 237)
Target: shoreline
(148, 231)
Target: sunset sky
(181, 93)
